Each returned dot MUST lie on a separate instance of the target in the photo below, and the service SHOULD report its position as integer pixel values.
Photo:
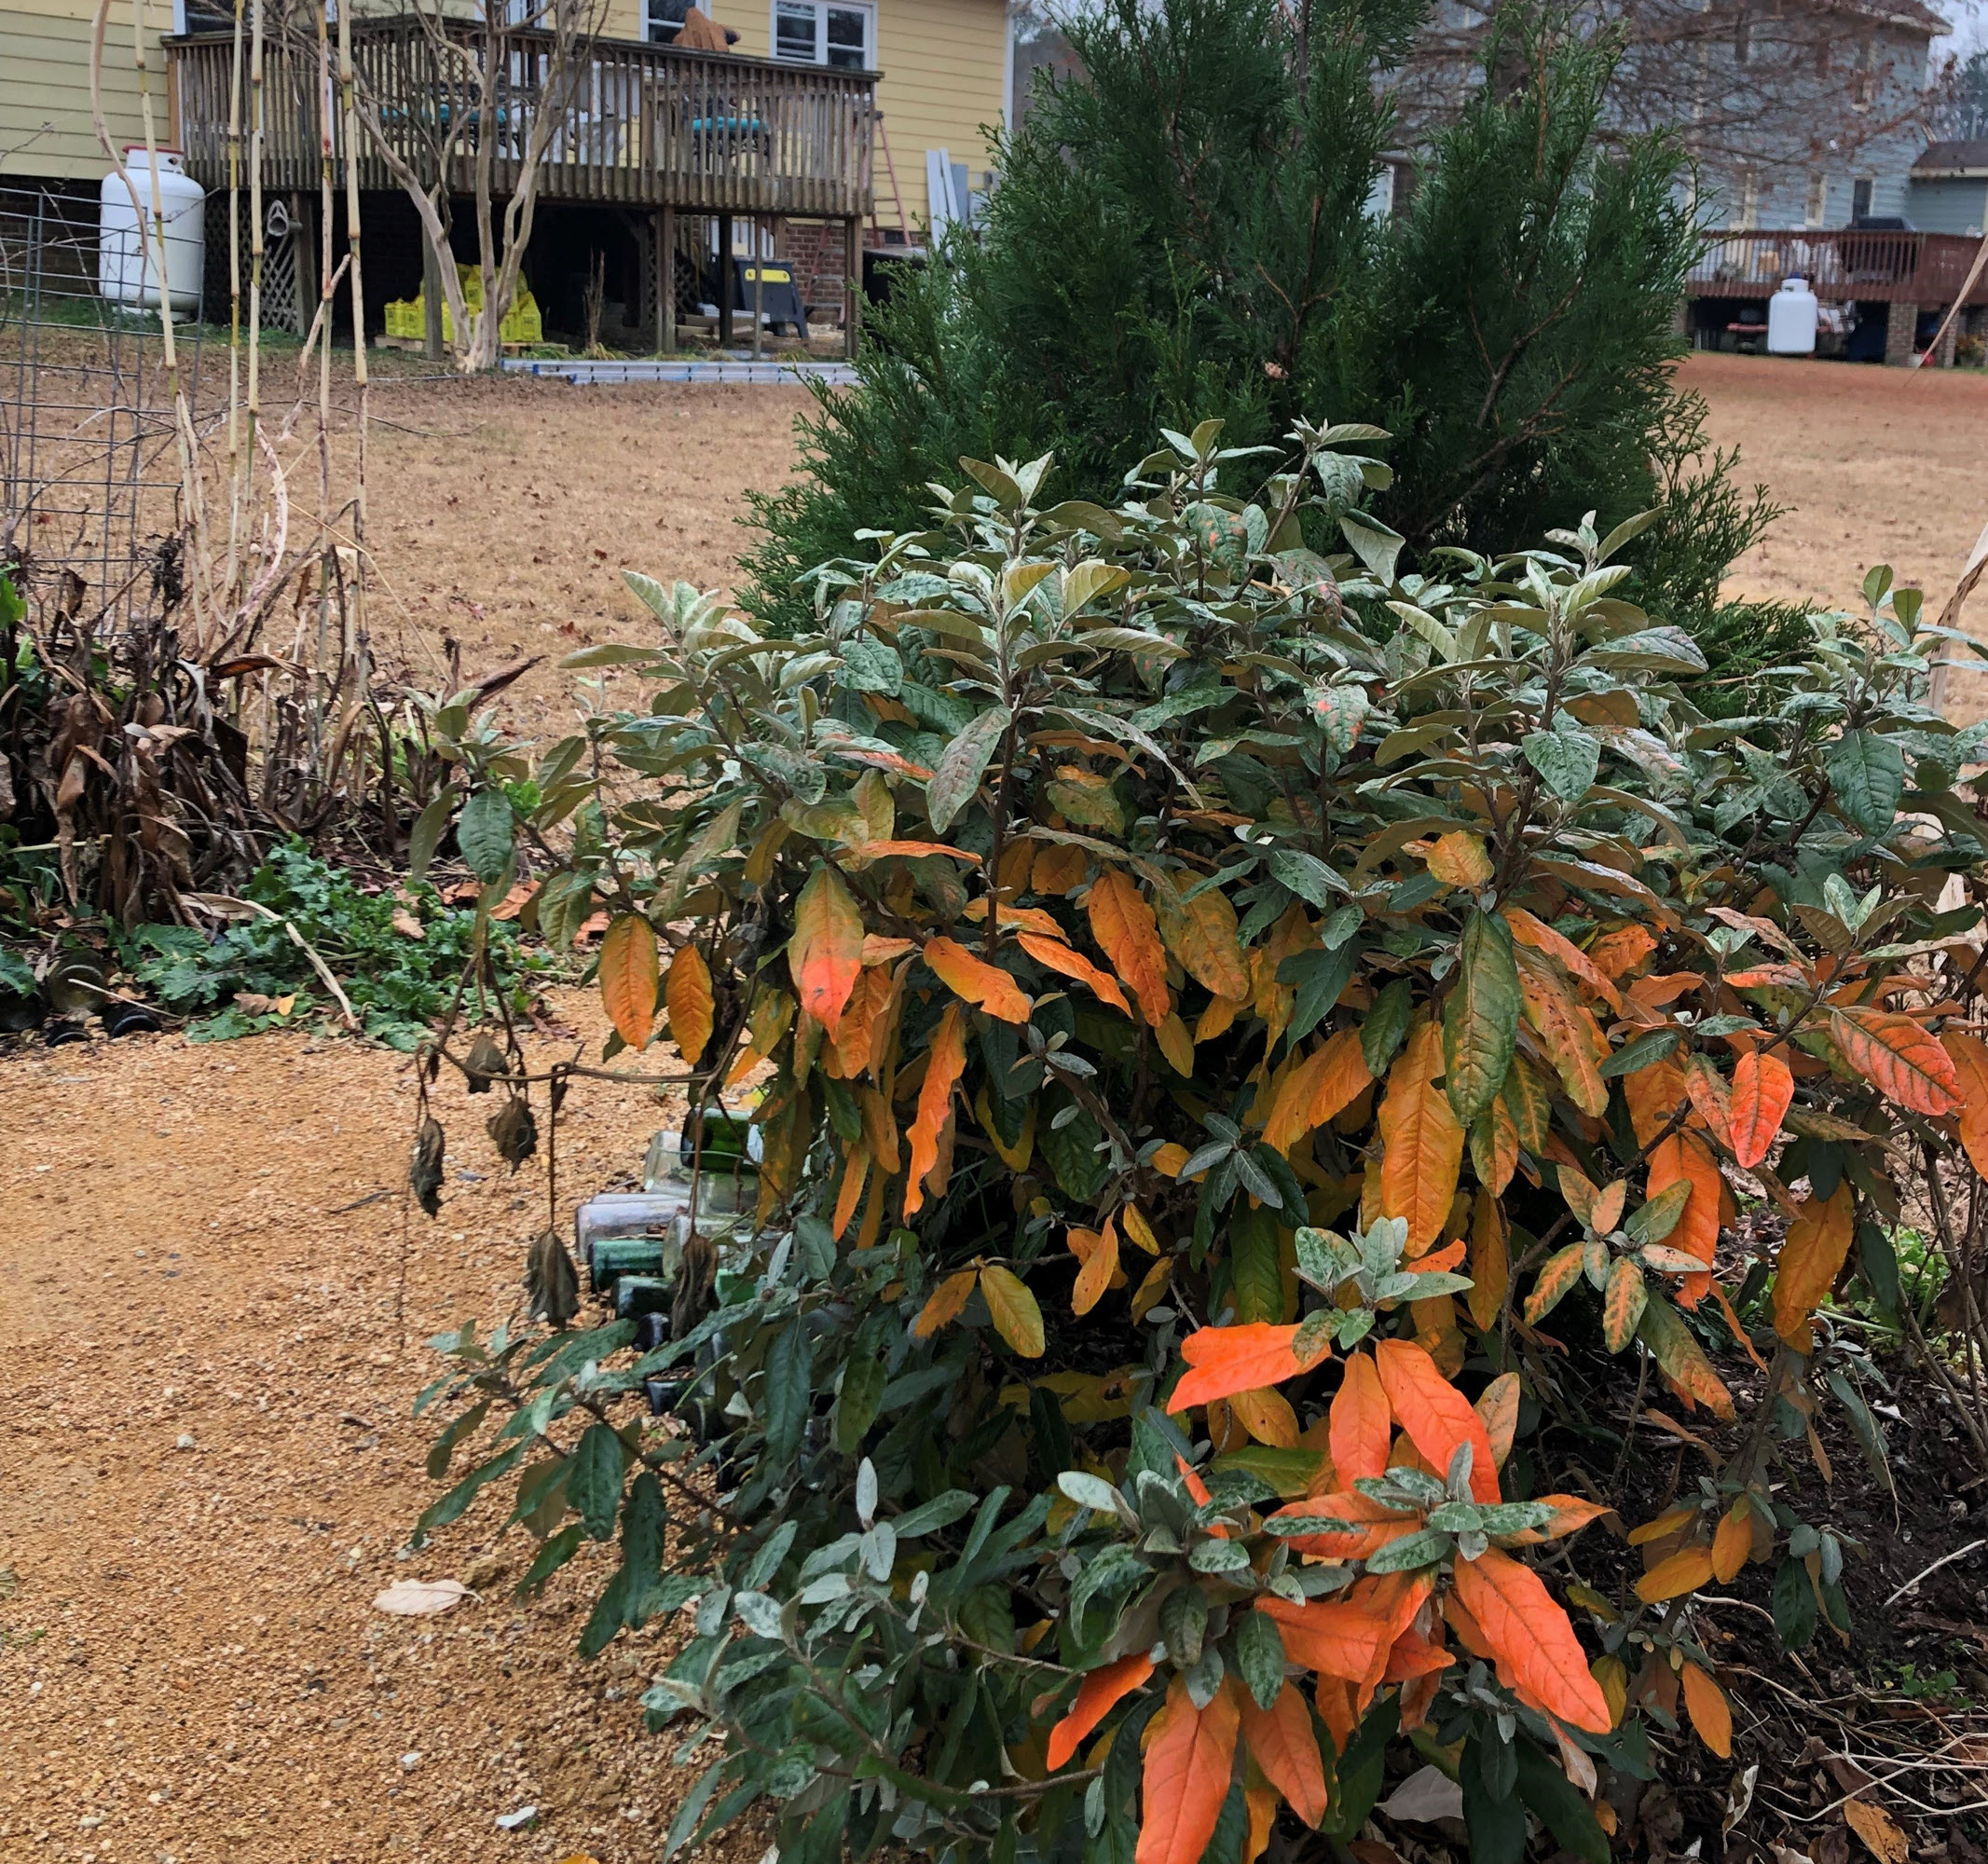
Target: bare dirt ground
(208, 1361)
(1875, 466)
(190, 1665)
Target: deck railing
(640, 124)
(1923, 269)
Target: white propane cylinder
(126, 273)
(1791, 319)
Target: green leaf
(1305, 874)
(1551, 1796)
(1497, 1826)
(485, 832)
(872, 666)
(444, 1446)
(1638, 1054)
(550, 1556)
(452, 1504)
(1868, 773)
(1379, 546)
(1665, 650)
(594, 1481)
(1566, 760)
(864, 1377)
(1794, 1605)
(1386, 1026)
(1880, 1264)
(1655, 1220)
(1319, 978)
(962, 765)
(787, 1394)
(426, 834)
(1480, 1020)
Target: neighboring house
(1948, 191)
(892, 136)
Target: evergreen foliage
(1188, 229)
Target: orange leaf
(1879, 1830)
(1498, 1406)
(1543, 938)
(1435, 1414)
(1619, 950)
(1970, 1058)
(1099, 1259)
(1733, 1542)
(1458, 859)
(935, 1101)
(1685, 1157)
(1654, 1094)
(975, 979)
(1711, 1097)
(1267, 1416)
(1201, 934)
(1491, 1259)
(1423, 1141)
(1360, 1426)
(1373, 1525)
(1531, 1637)
(1704, 1702)
(1494, 1142)
(1281, 1740)
(1055, 955)
(1168, 1160)
(1763, 1092)
(1324, 1084)
(1227, 1360)
(1672, 1578)
(1905, 1063)
(856, 1168)
(688, 993)
(1096, 1696)
(1175, 1044)
(826, 951)
(1187, 1765)
(874, 851)
(629, 977)
(1128, 935)
(947, 1302)
(1569, 1034)
(1811, 1258)
(1335, 1636)
(1570, 1514)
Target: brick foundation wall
(813, 250)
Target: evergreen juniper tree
(1183, 231)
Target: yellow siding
(945, 65)
(45, 120)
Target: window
(1859, 199)
(664, 19)
(825, 31)
(1817, 209)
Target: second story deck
(1841, 267)
(639, 125)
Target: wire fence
(91, 483)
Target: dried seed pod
(424, 1165)
(514, 1131)
(552, 1282)
(695, 1280)
(486, 1059)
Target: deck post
(1901, 329)
(726, 281)
(852, 286)
(666, 283)
(759, 284)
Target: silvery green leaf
(829, 1585)
(1218, 1556)
(1410, 1551)
(758, 1613)
(1204, 1679)
(866, 1492)
(1393, 1287)
(1458, 1478)
(1434, 1281)
(1256, 1181)
(1289, 1585)
(1305, 874)
(1260, 1657)
(1296, 1527)
(1183, 1625)
(1159, 1540)
(1342, 926)
(1456, 1517)
(880, 1550)
(1324, 1259)
(1094, 1492)
(1470, 1546)
(712, 1610)
(1379, 546)
(1209, 1155)
(1512, 1518)
(1355, 1327)
(1567, 761)
(1094, 1807)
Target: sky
(1970, 28)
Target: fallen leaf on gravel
(1879, 1830)
(421, 1598)
(406, 924)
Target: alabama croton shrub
(1256, 1048)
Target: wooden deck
(645, 126)
(1928, 270)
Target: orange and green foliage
(1248, 1038)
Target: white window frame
(1816, 209)
(648, 27)
(821, 7)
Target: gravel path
(208, 1469)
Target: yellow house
(942, 77)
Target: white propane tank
(1791, 319)
(126, 274)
